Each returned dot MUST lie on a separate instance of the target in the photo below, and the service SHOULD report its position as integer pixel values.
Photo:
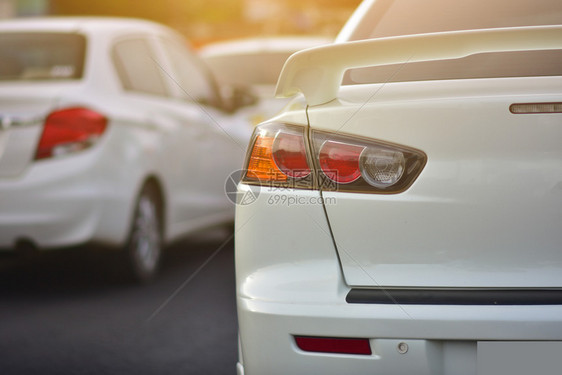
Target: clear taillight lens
(279, 157)
(70, 130)
(382, 168)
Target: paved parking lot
(69, 314)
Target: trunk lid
(35, 67)
(23, 108)
(485, 212)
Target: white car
(112, 132)
(256, 63)
(410, 223)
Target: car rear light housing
(279, 157)
(70, 130)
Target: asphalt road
(69, 313)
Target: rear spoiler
(318, 72)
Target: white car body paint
(484, 215)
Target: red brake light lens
(340, 161)
(289, 154)
(70, 130)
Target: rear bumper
(440, 339)
(60, 202)
(289, 283)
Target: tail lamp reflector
(70, 130)
(356, 346)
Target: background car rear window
(41, 56)
(136, 67)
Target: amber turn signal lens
(261, 166)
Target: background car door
(218, 140)
(176, 128)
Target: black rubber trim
(455, 296)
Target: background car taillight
(70, 130)
(279, 157)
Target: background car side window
(136, 67)
(192, 80)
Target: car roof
(77, 24)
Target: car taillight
(70, 130)
(279, 157)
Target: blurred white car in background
(410, 223)
(111, 132)
(256, 63)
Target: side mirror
(236, 97)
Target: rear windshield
(406, 17)
(41, 56)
